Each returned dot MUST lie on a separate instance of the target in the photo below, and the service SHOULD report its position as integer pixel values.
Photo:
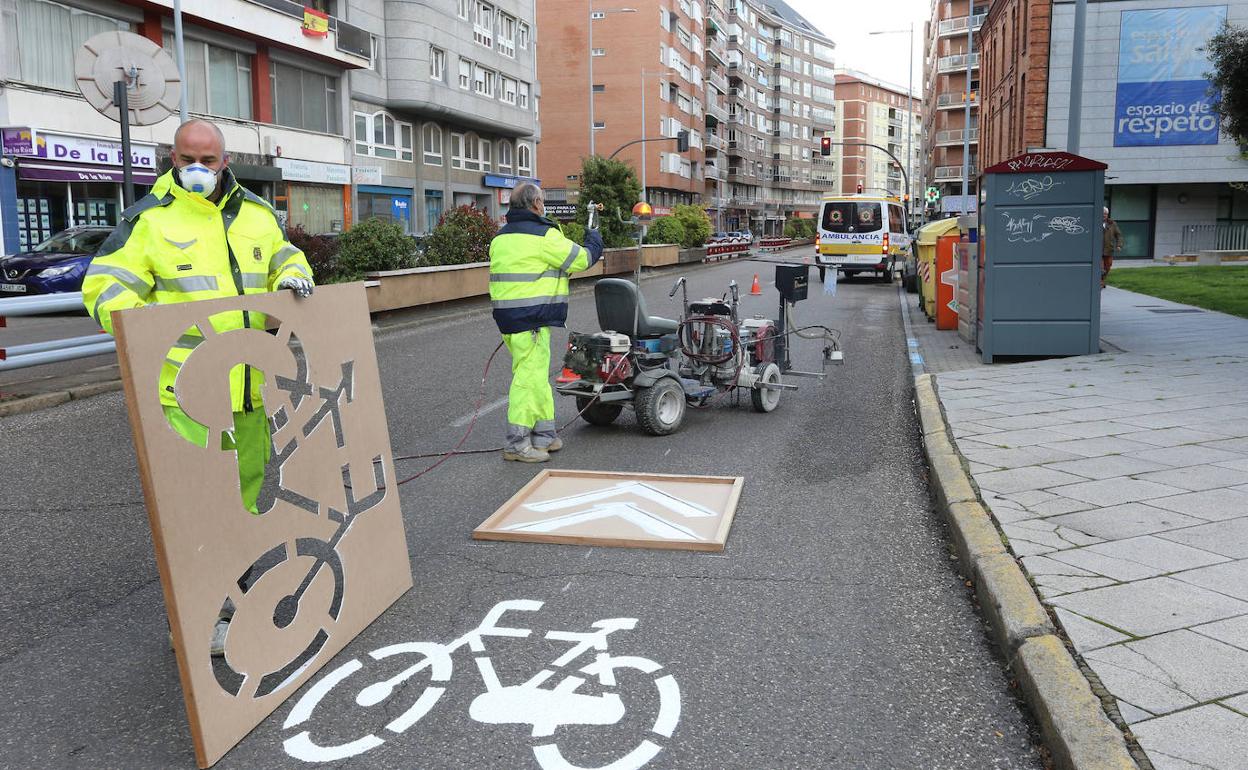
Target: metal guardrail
(51, 351)
(1216, 237)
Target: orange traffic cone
(755, 289)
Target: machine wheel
(766, 400)
(597, 413)
(661, 407)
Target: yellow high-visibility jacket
(530, 261)
(174, 246)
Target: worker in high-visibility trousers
(200, 235)
(530, 261)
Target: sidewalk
(1121, 481)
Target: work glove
(595, 244)
(302, 287)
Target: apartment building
(449, 116)
(873, 112)
(781, 101)
(750, 81)
(1014, 41)
(951, 67)
(278, 95)
(650, 65)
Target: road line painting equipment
(659, 366)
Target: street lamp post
(644, 75)
(966, 108)
(909, 109)
(1076, 78)
(589, 26)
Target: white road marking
(486, 409)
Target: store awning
(49, 171)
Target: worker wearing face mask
(200, 235)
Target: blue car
(57, 265)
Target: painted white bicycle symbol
(543, 709)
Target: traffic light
(682, 141)
(860, 189)
(825, 146)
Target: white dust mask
(198, 178)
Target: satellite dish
(152, 79)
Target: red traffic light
(825, 145)
(860, 189)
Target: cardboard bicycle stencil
(584, 686)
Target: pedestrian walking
(1113, 241)
(200, 235)
(530, 261)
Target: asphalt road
(833, 632)
(23, 330)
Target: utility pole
(1076, 78)
(966, 109)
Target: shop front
(502, 185)
(314, 196)
(65, 180)
(374, 201)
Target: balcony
(278, 21)
(714, 142)
(957, 136)
(717, 79)
(717, 110)
(956, 63)
(954, 26)
(715, 172)
(952, 173)
(716, 51)
(955, 99)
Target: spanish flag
(315, 23)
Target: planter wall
(691, 255)
(659, 255)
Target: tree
(321, 251)
(574, 231)
(666, 230)
(462, 236)
(1228, 52)
(793, 228)
(371, 246)
(696, 223)
(613, 184)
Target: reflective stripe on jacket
(530, 261)
(172, 246)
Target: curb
(1072, 720)
(39, 401)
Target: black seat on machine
(622, 308)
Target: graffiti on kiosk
(1039, 163)
(1023, 229)
(1068, 225)
(543, 709)
(1031, 187)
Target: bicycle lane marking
(544, 709)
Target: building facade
(750, 81)
(400, 109)
(278, 95)
(449, 115)
(1175, 183)
(874, 112)
(951, 67)
(1014, 41)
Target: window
(523, 35)
(472, 152)
(431, 138)
(218, 79)
(522, 98)
(524, 159)
(457, 150)
(465, 73)
(599, 88)
(599, 124)
(466, 8)
(45, 37)
(599, 52)
(483, 81)
(433, 209)
(507, 87)
(483, 25)
(304, 99)
(507, 35)
(437, 64)
(487, 155)
(381, 136)
(504, 156)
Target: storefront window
(45, 38)
(314, 207)
(304, 99)
(433, 209)
(392, 207)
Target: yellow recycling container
(927, 237)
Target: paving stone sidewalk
(1121, 480)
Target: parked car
(57, 265)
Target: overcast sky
(884, 56)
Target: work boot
(526, 454)
(553, 446)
